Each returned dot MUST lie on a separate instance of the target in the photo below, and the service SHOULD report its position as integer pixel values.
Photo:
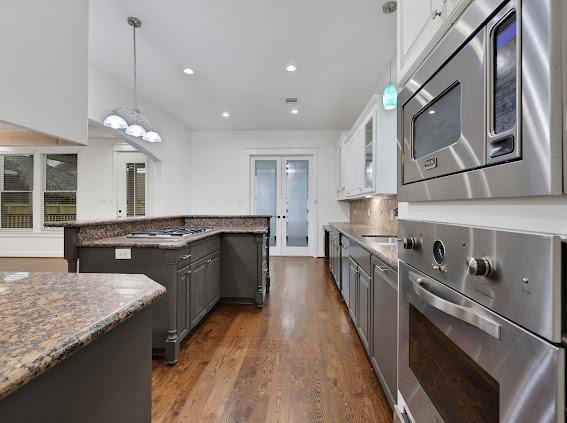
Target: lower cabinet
(353, 290)
(197, 294)
(183, 282)
(205, 286)
(214, 280)
(364, 308)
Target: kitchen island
(228, 259)
(76, 347)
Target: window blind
(135, 189)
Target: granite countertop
(80, 223)
(386, 252)
(46, 317)
(125, 242)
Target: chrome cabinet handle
(185, 257)
(436, 14)
(383, 268)
(465, 314)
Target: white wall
(220, 169)
(43, 77)
(528, 214)
(170, 184)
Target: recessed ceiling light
(188, 71)
(294, 111)
(291, 68)
(225, 115)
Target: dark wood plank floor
(298, 359)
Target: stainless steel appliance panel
(452, 128)
(524, 279)
(458, 361)
(536, 164)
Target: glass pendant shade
(152, 136)
(115, 122)
(136, 130)
(390, 97)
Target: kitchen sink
(381, 239)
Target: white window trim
(38, 187)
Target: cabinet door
(418, 22)
(183, 280)
(214, 280)
(352, 292)
(364, 303)
(369, 138)
(384, 326)
(198, 302)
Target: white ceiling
(239, 50)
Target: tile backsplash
(377, 212)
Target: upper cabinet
(366, 155)
(420, 25)
(44, 72)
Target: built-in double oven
(480, 325)
(482, 116)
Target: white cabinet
(420, 25)
(367, 155)
(44, 72)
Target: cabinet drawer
(205, 247)
(361, 256)
(184, 258)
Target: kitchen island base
(107, 381)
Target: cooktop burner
(170, 233)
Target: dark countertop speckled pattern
(46, 317)
(125, 242)
(386, 252)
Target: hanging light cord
(135, 75)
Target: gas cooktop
(170, 233)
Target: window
(16, 191)
(60, 195)
(135, 189)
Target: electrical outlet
(123, 253)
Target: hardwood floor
(26, 264)
(298, 359)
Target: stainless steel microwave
(483, 115)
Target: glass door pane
(297, 203)
(265, 192)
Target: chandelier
(130, 119)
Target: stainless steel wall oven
(482, 116)
(480, 325)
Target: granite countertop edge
(95, 222)
(125, 242)
(386, 252)
(30, 371)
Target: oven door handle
(465, 314)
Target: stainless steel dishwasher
(345, 246)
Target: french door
(281, 186)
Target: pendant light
(119, 118)
(390, 94)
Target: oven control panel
(514, 273)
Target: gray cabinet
(384, 326)
(183, 282)
(364, 302)
(197, 295)
(352, 292)
(214, 280)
